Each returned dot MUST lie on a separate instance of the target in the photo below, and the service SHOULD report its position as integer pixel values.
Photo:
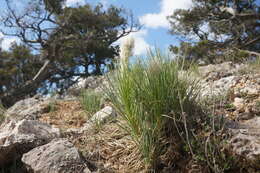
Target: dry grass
(252, 67)
(112, 149)
(65, 114)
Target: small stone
(238, 102)
(99, 118)
(246, 140)
(86, 170)
(245, 116)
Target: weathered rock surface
(246, 141)
(219, 78)
(244, 108)
(58, 156)
(248, 85)
(29, 109)
(17, 138)
(239, 102)
(217, 71)
(218, 87)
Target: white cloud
(6, 42)
(104, 3)
(74, 2)
(141, 46)
(167, 7)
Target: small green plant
(2, 111)
(52, 106)
(258, 104)
(211, 151)
(230, 106)
(152, 96)
(90, 101)
(211, 146)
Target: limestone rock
(17, 138)
(100, 117)
(255, 107)
(92, 82)
(58, 156)
(239, 102)
(217, 71)
(218, 87)
(29, 108)
(246, 141)
(248, 86)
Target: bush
(154, 97)
(90, 101)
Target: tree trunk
(11, 97)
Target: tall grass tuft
(90, 101)
(153, 97)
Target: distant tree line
(58, 45)
(213, 30)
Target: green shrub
(90, 101)
(153, 96)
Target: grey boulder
(20, 137)
(58, 156)
(246, 141)
(30, 108)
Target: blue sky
(152, 15)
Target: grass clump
(157, 103)
(90, 101)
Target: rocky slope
(50, 135)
